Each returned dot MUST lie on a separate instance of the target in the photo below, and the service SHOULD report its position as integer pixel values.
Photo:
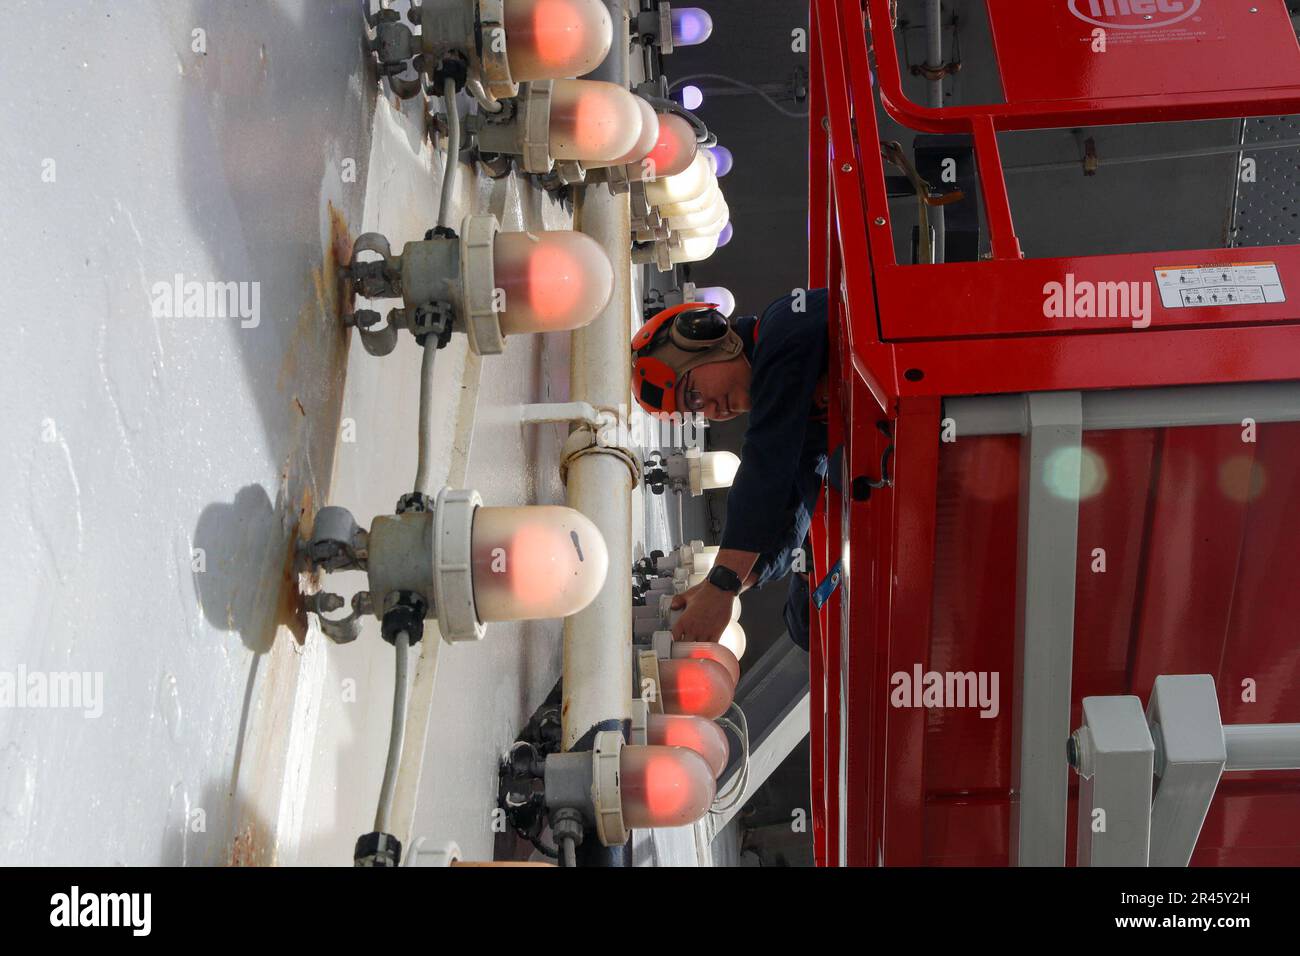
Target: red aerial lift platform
(996, 451)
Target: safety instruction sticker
(1224, 285)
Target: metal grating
(1268, 209)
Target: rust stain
(246, 850)
(301, 410)
(319, 329)
(290, 610)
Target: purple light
(724, 159)
(691, 25)
(724, 237)
(692, 97)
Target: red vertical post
(997, 202)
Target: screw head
(880, 220)
(846, 168)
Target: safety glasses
(691, 399)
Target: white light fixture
(694, 733)
(669, 27)
(585, 121)
(706, 204)
(720, 296)
(698, 687)
(698, 215)
(733, 639)
(694, 249)
(491, 45)
(668, 649)
(695, 470)
(551, 39)
(717, 469)
(703, 230)
(465, 564)
(550, 281)
(535, 562)
(674, 149)
(685, 186)
(723, 160)
(690, 26)
(645, 141)
(616, 787)
(485, 283)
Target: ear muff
(662, 324)
(654, 385)
(699, 329)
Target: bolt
(846, 168)
(880, 220)
(324, 602)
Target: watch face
(724, 578)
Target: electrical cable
(702, 135)
(570, 853)
(451, 173)
(743, 85)
(450, 179)
(735, 788)
(423, 480)
(396, 733)
(549, 852)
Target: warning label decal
(1226, 285)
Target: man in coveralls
(692, 359)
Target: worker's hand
(707, 613)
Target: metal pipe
(934, 61)
(1202, 152)
(1117, 409)
(597, 652)
(396, 733)
(1262, 746)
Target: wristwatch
(724, 579)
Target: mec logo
(1133, 14)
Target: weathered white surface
(132, 440)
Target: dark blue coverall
(784, 459)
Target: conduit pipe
(934, 60)
(600, 479)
